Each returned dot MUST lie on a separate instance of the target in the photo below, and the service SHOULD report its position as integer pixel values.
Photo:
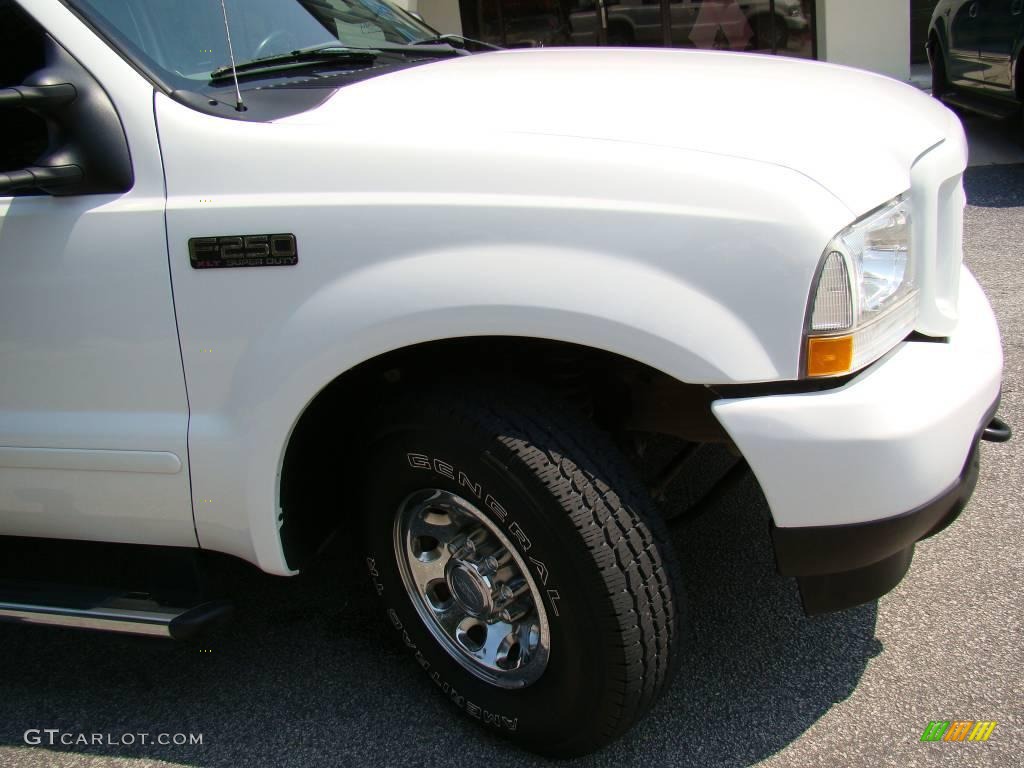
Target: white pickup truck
(343, 276)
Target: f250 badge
(243, 251)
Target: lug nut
(466, 546)
(496, 560)
(513, 613)
(504, 594)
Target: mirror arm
(46, 178)
(38, 97)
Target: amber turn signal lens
(829, 356)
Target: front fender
(595, 299)
(693, 263)
(583, 298)
(938, 29)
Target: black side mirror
(87, 151)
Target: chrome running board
(133, 615)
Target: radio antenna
(239, 107)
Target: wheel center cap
(468, 587)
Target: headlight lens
(865, 297)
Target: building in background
(885, 36)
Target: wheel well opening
(618, 394)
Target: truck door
(964, 40)
(1002, 22)
(93, 412)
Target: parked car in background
(524, 23)
(694, 23)
(975, 49)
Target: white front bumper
(890, 440)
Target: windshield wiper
(420, 48)
(302, 57)
(458, 39)
(325, 54)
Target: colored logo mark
(958, 730)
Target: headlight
(864, 300)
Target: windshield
(183, 41)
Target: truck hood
(855, 133)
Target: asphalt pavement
(307, 674)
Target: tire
(940, 81)
(600, 636)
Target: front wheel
(522, 565)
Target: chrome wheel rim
(471, 588)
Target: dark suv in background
(974, 47)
